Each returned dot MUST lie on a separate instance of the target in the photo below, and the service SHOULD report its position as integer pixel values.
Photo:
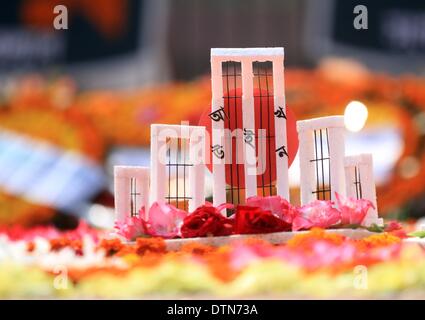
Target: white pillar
(307, 168)
(122, 189)
(360, 183)
(195, 172)
(333, 132)
(217, 128)
(158, 169)
(337, 153)
(248, 114)
(282, 180)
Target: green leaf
(375, 228)
(419, 234)
(351, 226)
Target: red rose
(254, 220)
(206, 221)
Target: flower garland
(313, 264)
(258, 215)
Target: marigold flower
(301, 240)
(197, 248)
(145, 245)
(111, 246)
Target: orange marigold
(111, 246)
(219, 265)
(63, 242)
(197, 248)
(377, 240)
(30, 246)
(150, 245)
(305, 240)
(78, 274)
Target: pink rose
(131, 228)
(353, 211)
(319, 213)
(165, 220)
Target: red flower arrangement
(255, 220)
(206, 221)
(259, 215)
